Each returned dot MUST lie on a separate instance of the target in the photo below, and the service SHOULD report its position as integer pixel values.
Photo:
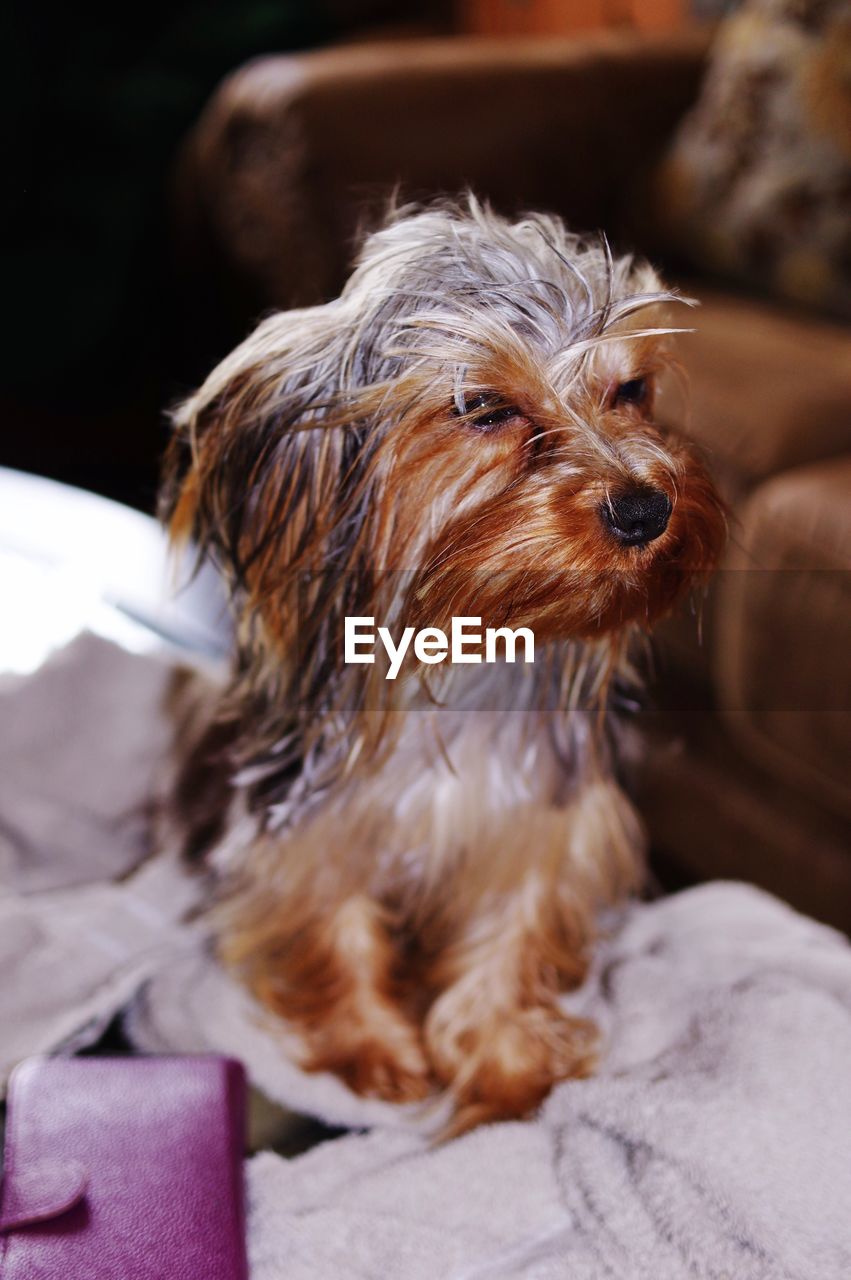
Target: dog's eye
(635, 391)
(486, 413)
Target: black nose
(637, 516)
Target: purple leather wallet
(124, 1169)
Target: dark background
(95, 111)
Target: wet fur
(408, 871)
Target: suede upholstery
(784, 630)
(770, 387)
(293, 153)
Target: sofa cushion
(769, 387)
(757, 183)
(783, 630)
(712, 812)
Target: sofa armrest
(293, 152)
(783, 623)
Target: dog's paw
(378, 1056)
(504, 1066)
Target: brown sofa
(747, 774)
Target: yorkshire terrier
(408, 871)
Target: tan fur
(409, 871)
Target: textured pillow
(758, 183)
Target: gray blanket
(715, 1142)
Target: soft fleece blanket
(715, 1142)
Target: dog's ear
(259, 454)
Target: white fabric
(715, 1141)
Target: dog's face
(476, 407)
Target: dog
(408, 871)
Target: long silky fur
(330, 466)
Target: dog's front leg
(332, 976)
(495, 1034)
